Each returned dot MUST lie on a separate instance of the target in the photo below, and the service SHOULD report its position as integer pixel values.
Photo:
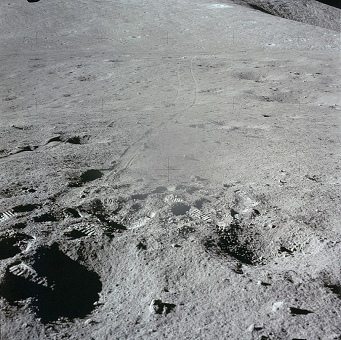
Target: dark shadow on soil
(71, 290)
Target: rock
(277, 306)
(159, 307)
(89, 322)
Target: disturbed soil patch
(233, 243)
(244, 246)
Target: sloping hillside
(318, 13)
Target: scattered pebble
(277, 306)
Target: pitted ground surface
(182, 157)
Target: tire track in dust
(195, 84)
(125, 160)
(127, 164)
(128, 156)
(120, 169)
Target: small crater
(57, 285)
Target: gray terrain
(169, 170)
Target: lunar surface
(170, 170)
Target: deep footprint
(69, 289)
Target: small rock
(156, 307)
(89, 322)
(251, 328)
(277, 306)
(159, 307)
(262, 283)
(141, 246)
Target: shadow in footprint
(179, 208)
(10, 245)
(58, 286)
(47, 217)
(85, 177)
(25, 208)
